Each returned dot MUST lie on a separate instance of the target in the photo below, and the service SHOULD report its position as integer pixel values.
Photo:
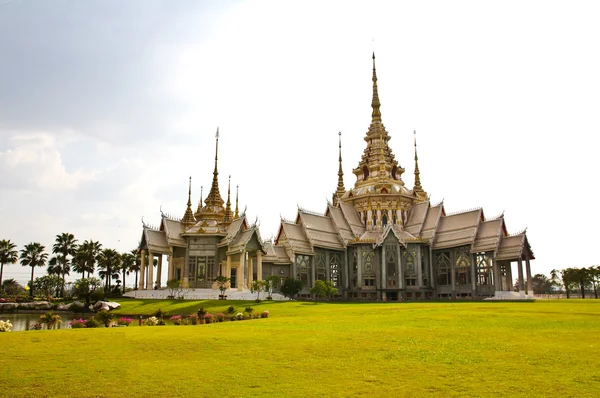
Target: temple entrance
(232, 281)
(392, 296)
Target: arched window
(365, 172)
(384, 220)
(383, 190)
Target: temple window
(384, 220)
(320, 266)
(410, 268)
(334, 269)
(462, 267)
(369, 281)
(303, 268)
(485, 270)
(368, 259)
(354, 267)
(441, 261)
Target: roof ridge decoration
(418, 189)
(496, 217)
(199, 209)
(188, 218)
(440, 203)
(521, 232)
(312, 213)
(341, 190)
(237, 212)
(463, 211)
(228, 212)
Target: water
(23, 321)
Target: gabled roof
(154, 241)
(416, 218)
(320, 230)
(457, 229)
(353, 219)
(488, 235)
(401, 235)
(295, 236)
(514, 247)
(275, 254)
(342, 225)
(173, 230)
(237, 225)
(431, 222)
(243, 238)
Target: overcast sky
(107, 107)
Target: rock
(35, 305)
(63, 307)
(8, 306)
(106, 305)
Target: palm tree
(127, 264)
(65, 245)
(33, 255)
(135, 267)
(78, 262)
(109, 264)
(91, 252)
(8, 255)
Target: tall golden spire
(228, 214)
(340, 186)
(188, 218)
(375, 104)
(237, 212)
(214, 197)
(418, 189)
(199, 209)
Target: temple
(379, 240)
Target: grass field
(543, 348)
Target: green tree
(541, 284)
(594, 272)
(175, 288)
(65, 245)
(48, 285)
(583, 278)
(291, 287)
(323, 289)
(270, 283)
(109, 264)
(84, 288)
(222, 283)
(8, 255)
(33, 255)
(88, 255)
(135, 267)
(256, 287)
(127, 264)
(12, 288)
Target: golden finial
(340, 187)
(188, 217)
(237, 212)
(418, 188)
(375, 104)
(228, 214)
(214, 197)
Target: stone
(106, 306)
(8, 306)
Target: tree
(595, 278)
(8, 255)
(84, 288)
(256, 287)
(541, 284)
(33, 255)
(291, 287)
(566, 278)
(175, 288)
(582, 277)
(12, 288)
(65, 245)
(269, 284)
(323, 289)
(135, 267)
(223, 284)
(109, 264)
(48, 285)
(88, 254)
(127, 263)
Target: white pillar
(529, 281)
(159, 271)
(521, 281)
(259, 266)
(171, 268)
(142, 284)
(150, 283)
(241, 279)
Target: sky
(108, 107)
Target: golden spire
(214, 197)
(199, 209)
(375, 104)
(237, 212)
(340, 187)
(418, 189)
(188, 218)
(228, 214)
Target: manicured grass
(543, 348)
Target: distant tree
(12, 288)
(135, 267)
(127, 263)
(324, 289)
(595, 278)
(48, 285)
(84, 288)
(88, 255)
(542, 284)
(566, 278)
(65, 245)
(270, 283)
(256, 287)
(8, 255)
(583, 278)
(291, 287)
(109, 264)
(33, 255)
(222, 283)
(175, 288)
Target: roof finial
(375, 104)
(214, 200)
(237, 190)
(340, 187)
(418, 189)
(228, 214)
(188, 218)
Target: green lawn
(543, 348)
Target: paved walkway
(201, 294)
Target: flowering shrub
(92, 323)
(176, 319)
(124, 321)
(193, 319)
(232, 318)
(239, 316)
(35, 326)
(185, 321)
(5, 326)
(78, 323)
(264, 314)
(220, 317)
(209, 318)
(255, 315)
(152, 321)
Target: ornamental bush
(176, 319)
(220, 317)
(249, 310)
(152, 321)
(35, 326)
(123, 321)
(50, 319)
(92, 323)
(231, 309)
(5, 326)
(104, 317)
(264, 314)
(239, 316)
(209, 318)
(78, 323)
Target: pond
(22, 321)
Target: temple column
(509, 276)
(259, 266)
(496, 268)
(453, 278)
(313, 275)
(150, 282)
(369, 218)
(432, 276)
(241, 278)
(383, 272)
(228, 269)
(346, 269)
(419, 268)
(186, 270)
(521, 281)
(142, 284)
(528, 271)
(400, 271)
(159, 271)
(171, 267)
(473, 275)
(359, 281)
